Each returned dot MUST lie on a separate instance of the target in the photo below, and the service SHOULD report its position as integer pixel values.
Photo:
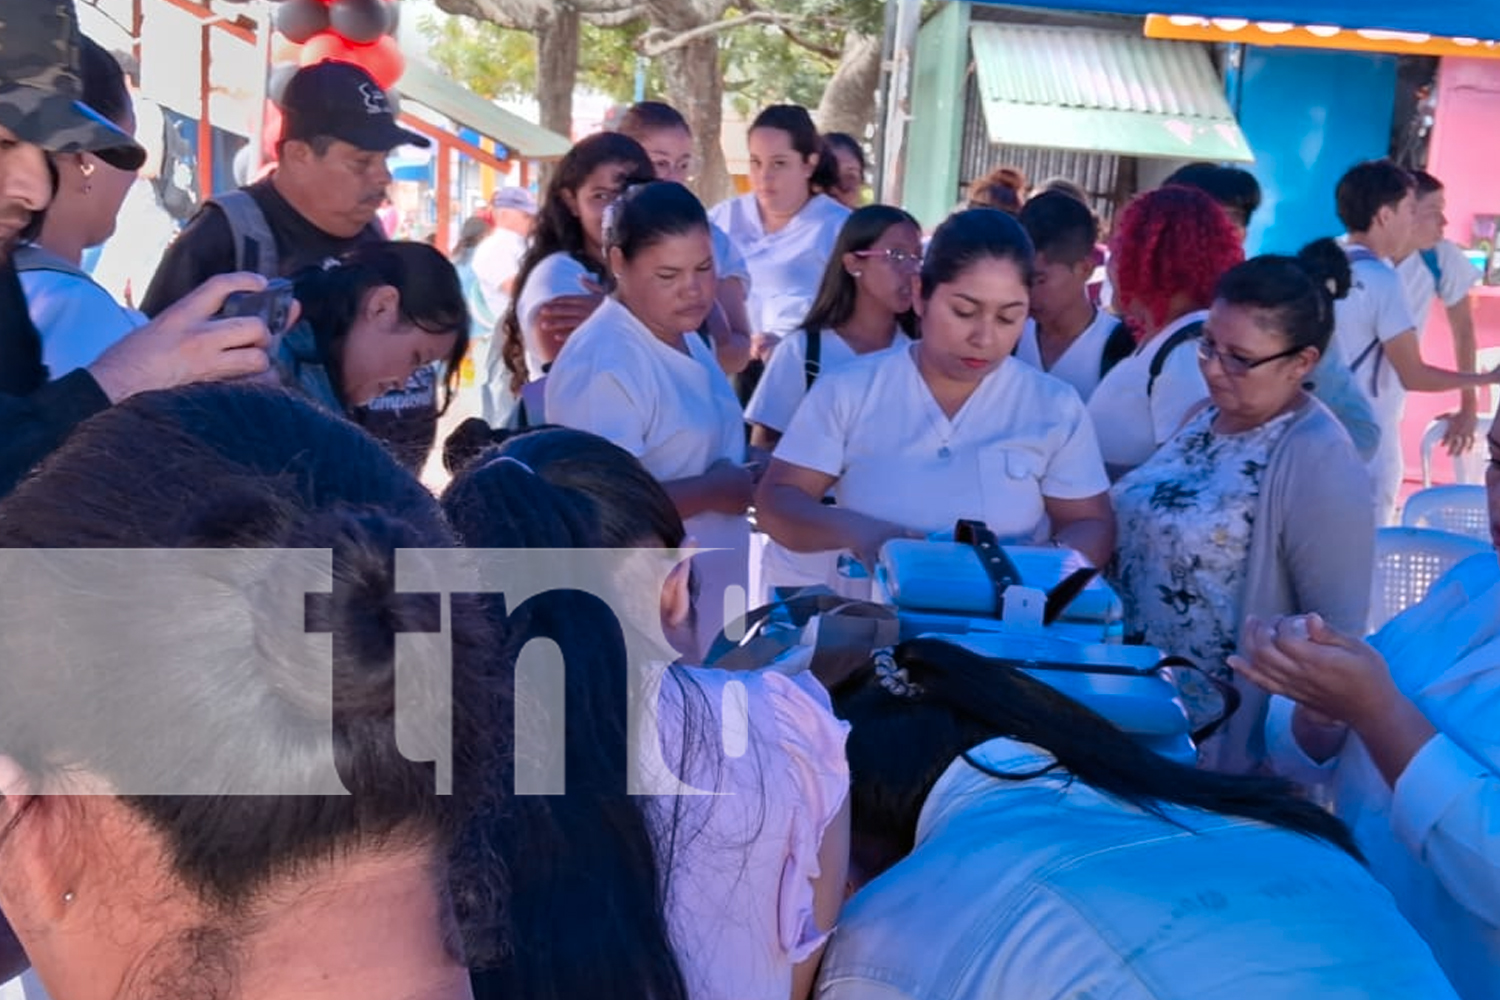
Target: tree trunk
(848, 103)
(695, 86)
(557, 72)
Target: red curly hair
(1174, 241)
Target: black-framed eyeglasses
(1235, 365)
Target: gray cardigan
(1312, 548)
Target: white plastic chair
(1462, 510)
(1466, 468)
(1408, 561)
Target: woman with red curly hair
(1170, 248)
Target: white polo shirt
(784, 382)
(675, 412)
(1021, 437)
(786, 267)
(1079, 364)
(1457, 273)
(1131, 423)
(1376, 308)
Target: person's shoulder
(862, 372)
(829, 208)
(1049, 391)
(1316, 435)
(723, 214)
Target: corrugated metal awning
(1103, 92)
(1457, 18)
(525, 140)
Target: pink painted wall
(1465, 156)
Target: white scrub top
(675, 412)
(1456, 275)
(1132, 424)
(728, 261)
(784, 383)
(1021, 437)
(1079, 364)
(554, 276)
(785, 267)
(781, 390)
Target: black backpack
(1119, 346)
(1192, 331)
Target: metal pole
(265, 30)
(883, 92)
(898, 108)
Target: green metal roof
(1103, 92)
(525, 140)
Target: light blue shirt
(1433, 838)
(1045, 888)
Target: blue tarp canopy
(1456, 18)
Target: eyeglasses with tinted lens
(899, 259)
(1233, 364)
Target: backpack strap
(254, 243)
(1120, 345)
(1374, 349)
(1434, 266)
(1192, 331)
(812, 367)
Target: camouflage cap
(40, 87)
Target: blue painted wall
(1309, 115)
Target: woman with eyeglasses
(668, 140)
(864, 306)
(913, 439)
(1260, 504)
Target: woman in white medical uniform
(863, 307)
(783, 227)
(912, 440)
(560, 280)
(637, 373)
(666, 137)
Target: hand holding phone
(272, 305)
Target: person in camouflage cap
(40, 86)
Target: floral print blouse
(1184, 537)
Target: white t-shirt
(785, 267)
(1132, 424)
(497, 259)
(1079, 364)
(1458, 276)
(784, 383)
(77, 319)
(675, 412)
(554, 276)
(1376, 308)
(874, 425)
(728, 261)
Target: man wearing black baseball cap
(41, 113)
(330, 180)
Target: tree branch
(651, 43)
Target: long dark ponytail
(900, 746)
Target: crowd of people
(1219, 435)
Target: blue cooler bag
(967, 578)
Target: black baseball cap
(344, 102)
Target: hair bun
(1327, 265)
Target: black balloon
(281, 75)
(299, 20)
(360, 21)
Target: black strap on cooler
(997, 565)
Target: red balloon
(326, 46)
(382, 60)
